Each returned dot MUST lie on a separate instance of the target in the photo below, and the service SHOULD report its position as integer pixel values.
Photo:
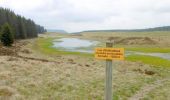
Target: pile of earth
(133, 40)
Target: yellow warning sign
(109, 53)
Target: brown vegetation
(133, 40)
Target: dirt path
(147, 88)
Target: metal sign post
(108, 90)
(109, 54)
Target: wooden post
(108, 87)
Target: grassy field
(156, 61)
(45, 73)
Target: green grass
(149, 60)
(44, 45)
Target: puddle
(161, 55)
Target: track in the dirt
(146, 89)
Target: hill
(57, 31)
(163, 28)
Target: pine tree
(7, 36)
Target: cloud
(79, 15)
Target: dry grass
(73, 78)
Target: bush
(7, 36)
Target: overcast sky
(79, 15)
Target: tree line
(21, 27)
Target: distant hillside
(164, 28)
(57, 31)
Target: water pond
(75, 44)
